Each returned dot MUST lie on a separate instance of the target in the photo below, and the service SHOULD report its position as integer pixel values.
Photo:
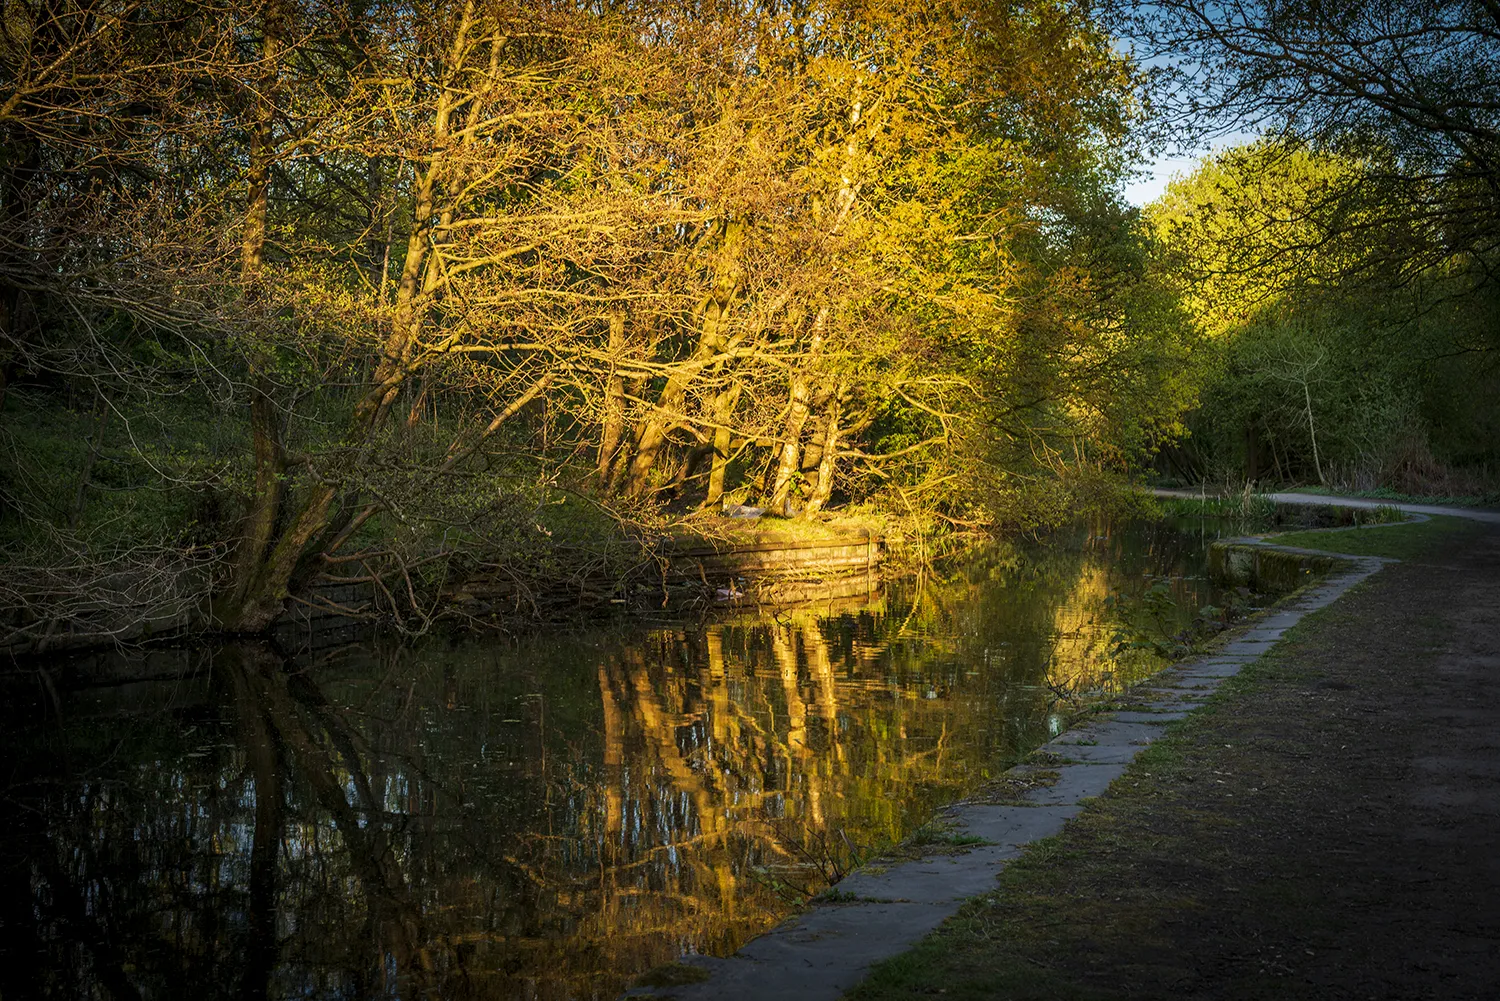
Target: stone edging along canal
(828, 949)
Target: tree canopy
(361, 288)
(1313, 370)
(1411, 90)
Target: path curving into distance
(1286, 497)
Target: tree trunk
(791, 445)
(653, 433)
(419, 279)
(283, 566)
(812, 452)
(1312, 433)
(267, 496)
(96, 443)
(724, 405)
(418, 404)
(791, 433)
(690, 463)
(713, 315)
(827, 458)
(267, 499)
(406, 319)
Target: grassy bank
(1263, 847)
(1251, 512)
(1403, 541)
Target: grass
(1248, 512)
(143, 477)
(936, 837)
(1080, 893)
(926, 838)
(833, 895)
(770, 529)
(1402, 542)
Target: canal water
(538, 819)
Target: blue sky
(1156, 176)
(1149, 186)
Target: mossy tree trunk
(268, 485)
(723, 440)
(612, 424)
(272, 569)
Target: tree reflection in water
(541, 820)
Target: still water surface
(542, 819)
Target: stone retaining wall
(1238, 563)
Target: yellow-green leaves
(1253, 224)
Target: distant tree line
(1343, 268)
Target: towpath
(1326, 827)
(1291, 497)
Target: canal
(541, 818)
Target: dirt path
(1327, 827)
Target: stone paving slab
(1160, 717)
(1103, 743)
(941, 878)
(1162, 697)
(1252, 647)
(1012, 827)
(821, 953)
(1218, 667)
(1091, 754)
(1199, 687)
(1076, 783)
(1208, 675)
(1111, 731)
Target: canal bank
(1272, 843)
